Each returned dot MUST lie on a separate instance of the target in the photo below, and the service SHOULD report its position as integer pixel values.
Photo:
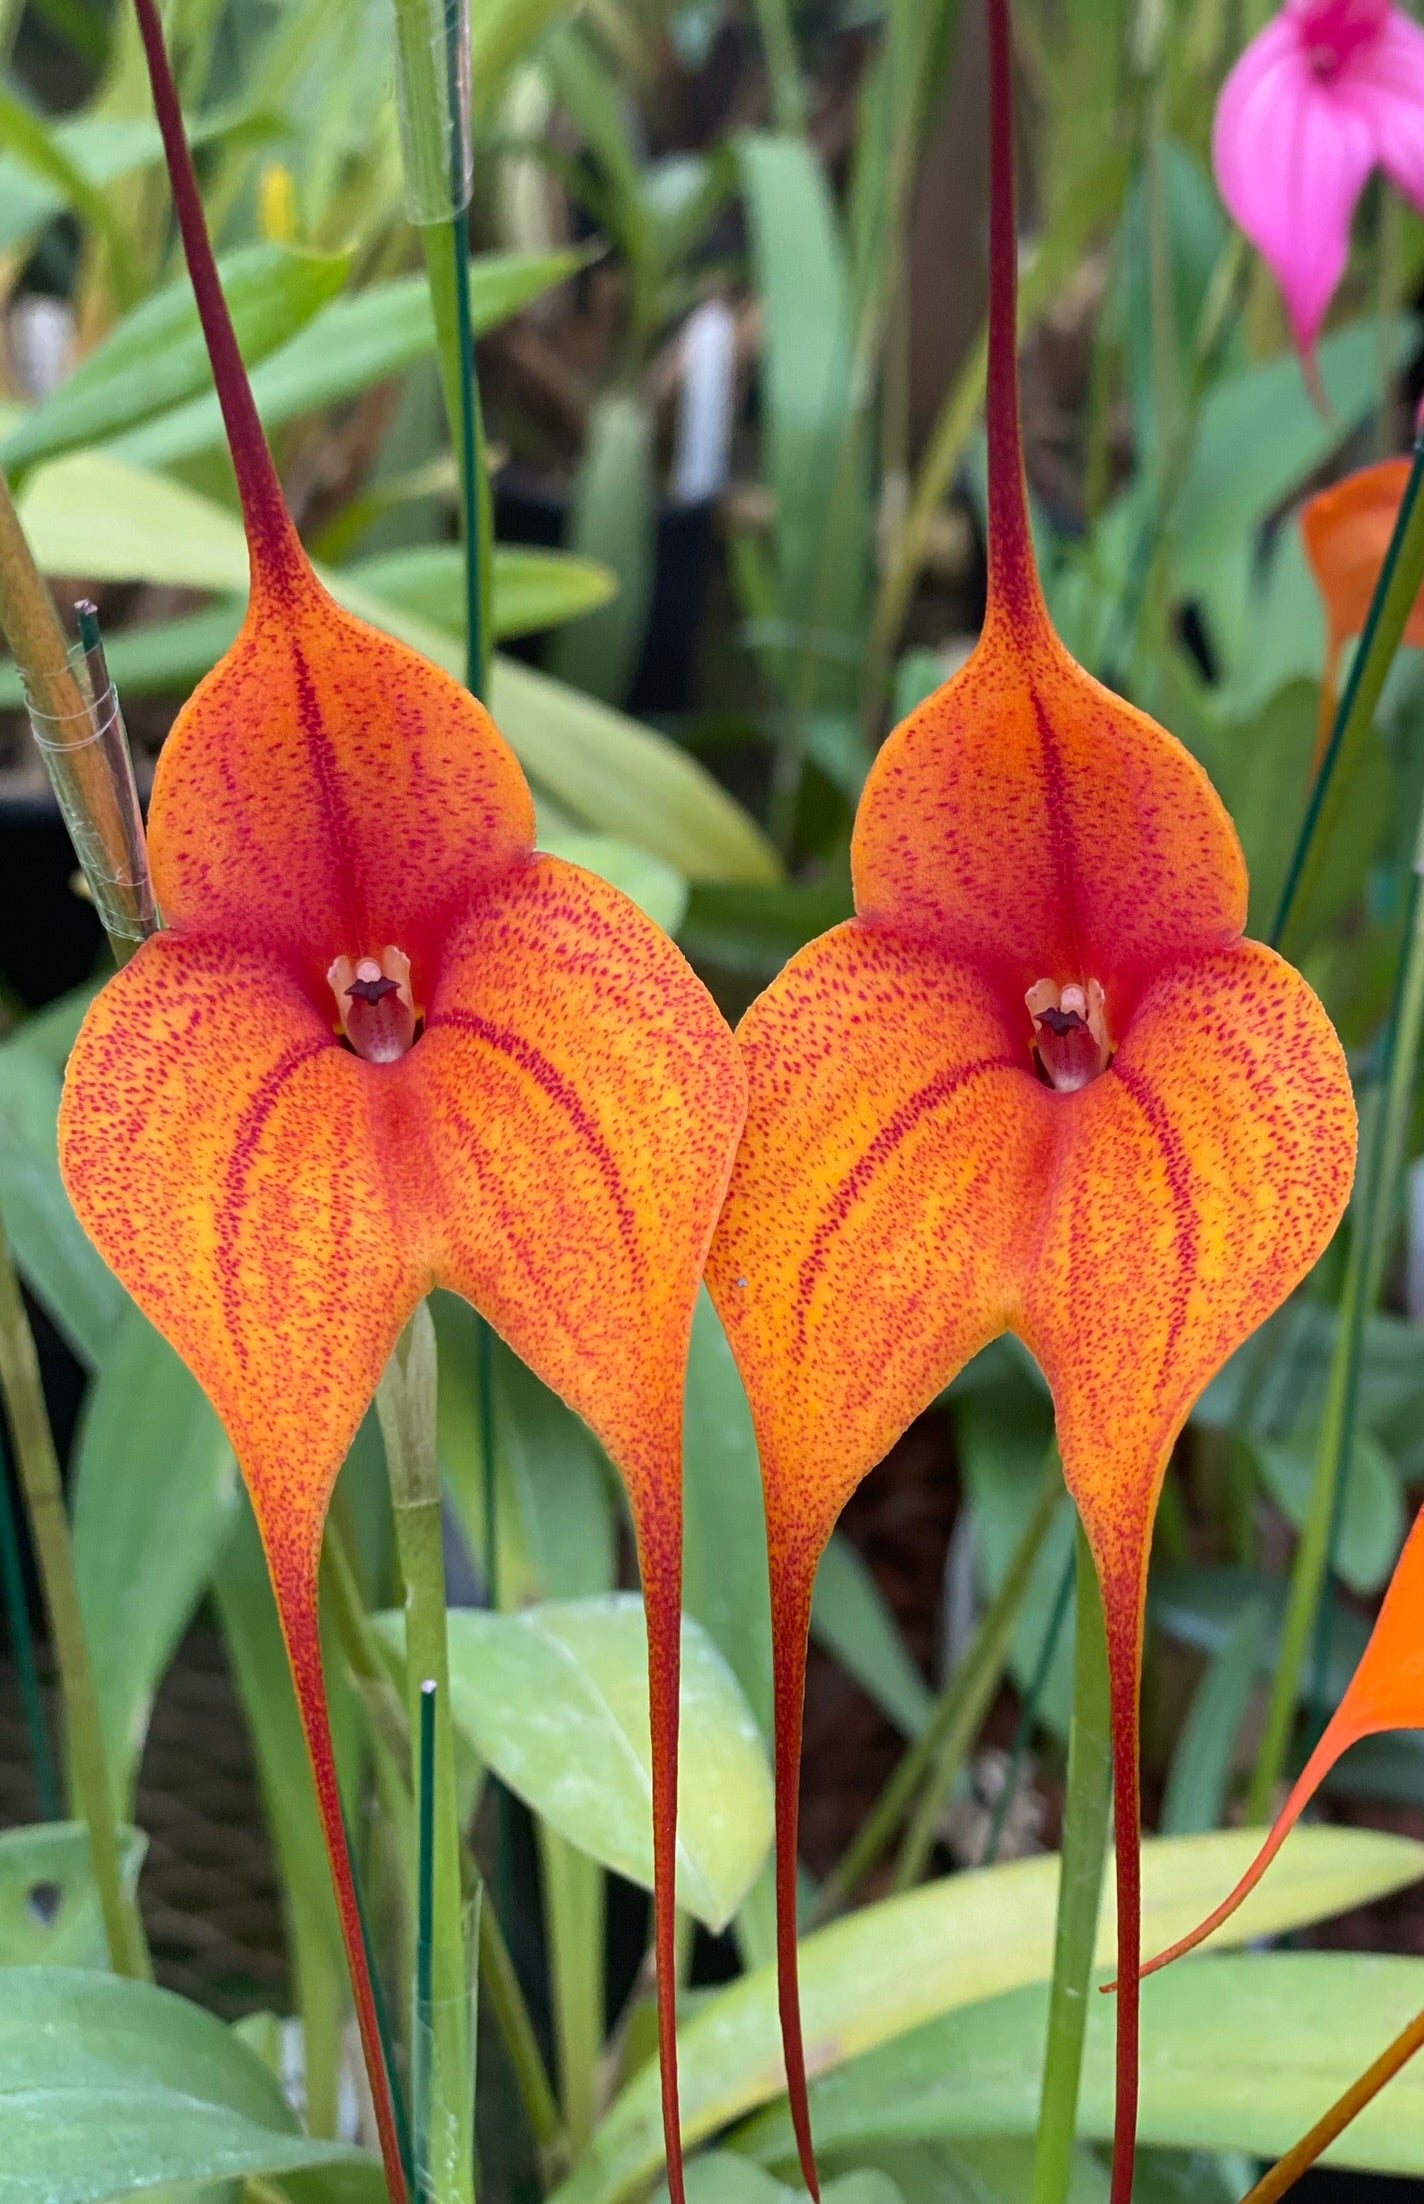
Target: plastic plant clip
(433, 103)
(86, 755)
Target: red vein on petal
(251, 1126)
(272, 541)
(942, 1088)
(551, 1082)
(1178, 1169)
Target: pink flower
(1329, 90)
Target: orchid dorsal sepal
(531, 1101)
(1039, 1083)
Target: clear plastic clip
(433, 102)
(79, 730)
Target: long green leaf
(891, 1967)
(156, 357)
(1239, 2053)
(154, 1494)
(60, 1264)
(50, 1914)
(354, 342)
(112, 2086)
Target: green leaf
(622, 779)
(755, 928)
(155, 1489)
(724, 2177)
(643, 878)
(49, 1905)
(725, 1585)
(555, 1699)
(60, 1264)
(554, 1503)
(1238, 2053)
(33, 142)
(851, 1618)
(889, 1968)
(356, 341)
(113, 2086)
(1200, 1774)
(996, 2171)
(1004, 1434)
(1373, 1518)
(156, 357)
(614, 520)
(93, 514)
(533, 590)
(806, 366)
(94, 150)
(1260, 436)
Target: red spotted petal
(326, 791)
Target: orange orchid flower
(384, 1046)
(1346, 531)
(1040, 1084)
(1386, 1692)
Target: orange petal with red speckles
(1197, 1182)
(555, 1146)
(326, 791)
(1027, 819)
(897, 1147)
(1386, 1692)
(1346, 530)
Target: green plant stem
(1395, 592)
(17, 1611)
(405, 1402)
(1087, 1814)
(1028, 1712)
(1383, 1148)
(573, 1898)
(37, 1467)
(983, 1670)
(957, 1712)
(390, 1735)
(778, 40)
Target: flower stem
(957, 1713)
(1383, 1150)
(88, 1763)
(405, 1402)
(1086, 1816)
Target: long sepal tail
(295, 1582)
(660, 1564)
(792, 1580)
(1123, 1614)
(1386, 1692)
(274, 547)
(280, 566)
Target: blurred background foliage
(728, 280)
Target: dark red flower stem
(1013, 576)
(272, 541)
(660, 1565)
(791, 1590)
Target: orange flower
(1347, 530)
(383, 1046)
(1386, 1692)
(1038, 1084)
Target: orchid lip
(1071, 1039)
(375, 1004)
